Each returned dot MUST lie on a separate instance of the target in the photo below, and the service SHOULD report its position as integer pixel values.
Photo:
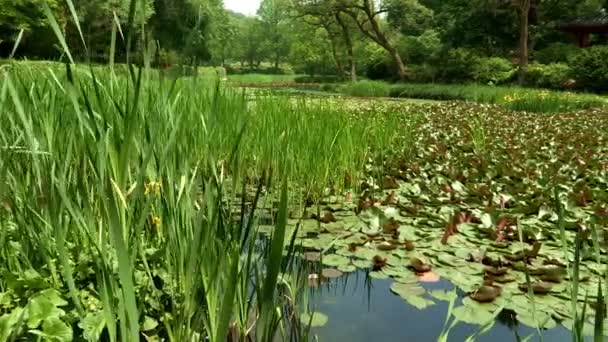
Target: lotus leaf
(315, 320)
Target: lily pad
(472, 315)
(315, 319)
(335, 260)
(443, 295)
(347, 268)
(405, 290)
(331, 273)
(312, 256)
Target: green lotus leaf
(365, 253)
(472, 315)
(538, 319)
(335, 260)
(315, 320)
(347, 268)
(378, 275)
(331, 272)
(418, 302)
(403, 289)
(443, 295)
(362, 264)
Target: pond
(361, 308)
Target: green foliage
(493, 70)
(555, 53)
(552, 76)
(318, 79)
(459, 65)
(420, 49)
(519, 99)
(590, 68)
(367, 89)
(423, 73)
(409, 17)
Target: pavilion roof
(597, 23)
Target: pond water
(361, 308)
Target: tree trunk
(349, 47)
(401, 70)
(523, 40)
(334, 51)
(377, 35)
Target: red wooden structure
(583, 29)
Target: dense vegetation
(142, 197)
(482, 41)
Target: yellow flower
(152, 188)
(156, 222)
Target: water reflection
(361, 308)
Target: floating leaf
(315, 320)
(312, 256)
(443, 295)
(335, 260)
(418, 302)
(347, 268)
(378, 275)
(471, 315)
(405, 290)
(362, 264)
(331, 273)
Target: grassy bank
(118, 202)
(514, 98)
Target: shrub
(318, 79)
(545, 101)
(493, 70)
(423, 73)
(551, 76)
(329, 87)
(459, 65)
(590, 67)
(375, 63)
(367, 89)
(420, 49)
(555, 53)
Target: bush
(493, 70)
(590, 67)
(423, 73)
(555, 53)
(318, 79)
(420, 49)
(552, 76)
(367, 89)
(459, 65)
(329, 87)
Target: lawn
(144, 207)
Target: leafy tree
(366, 14)
(273, 15)
(27, 15)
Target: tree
(524, 34)
(27, 15)
(366, 14)
(273, 15)
(323, 14)
(181, 26)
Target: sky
(248, 7)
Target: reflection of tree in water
(508, 318)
